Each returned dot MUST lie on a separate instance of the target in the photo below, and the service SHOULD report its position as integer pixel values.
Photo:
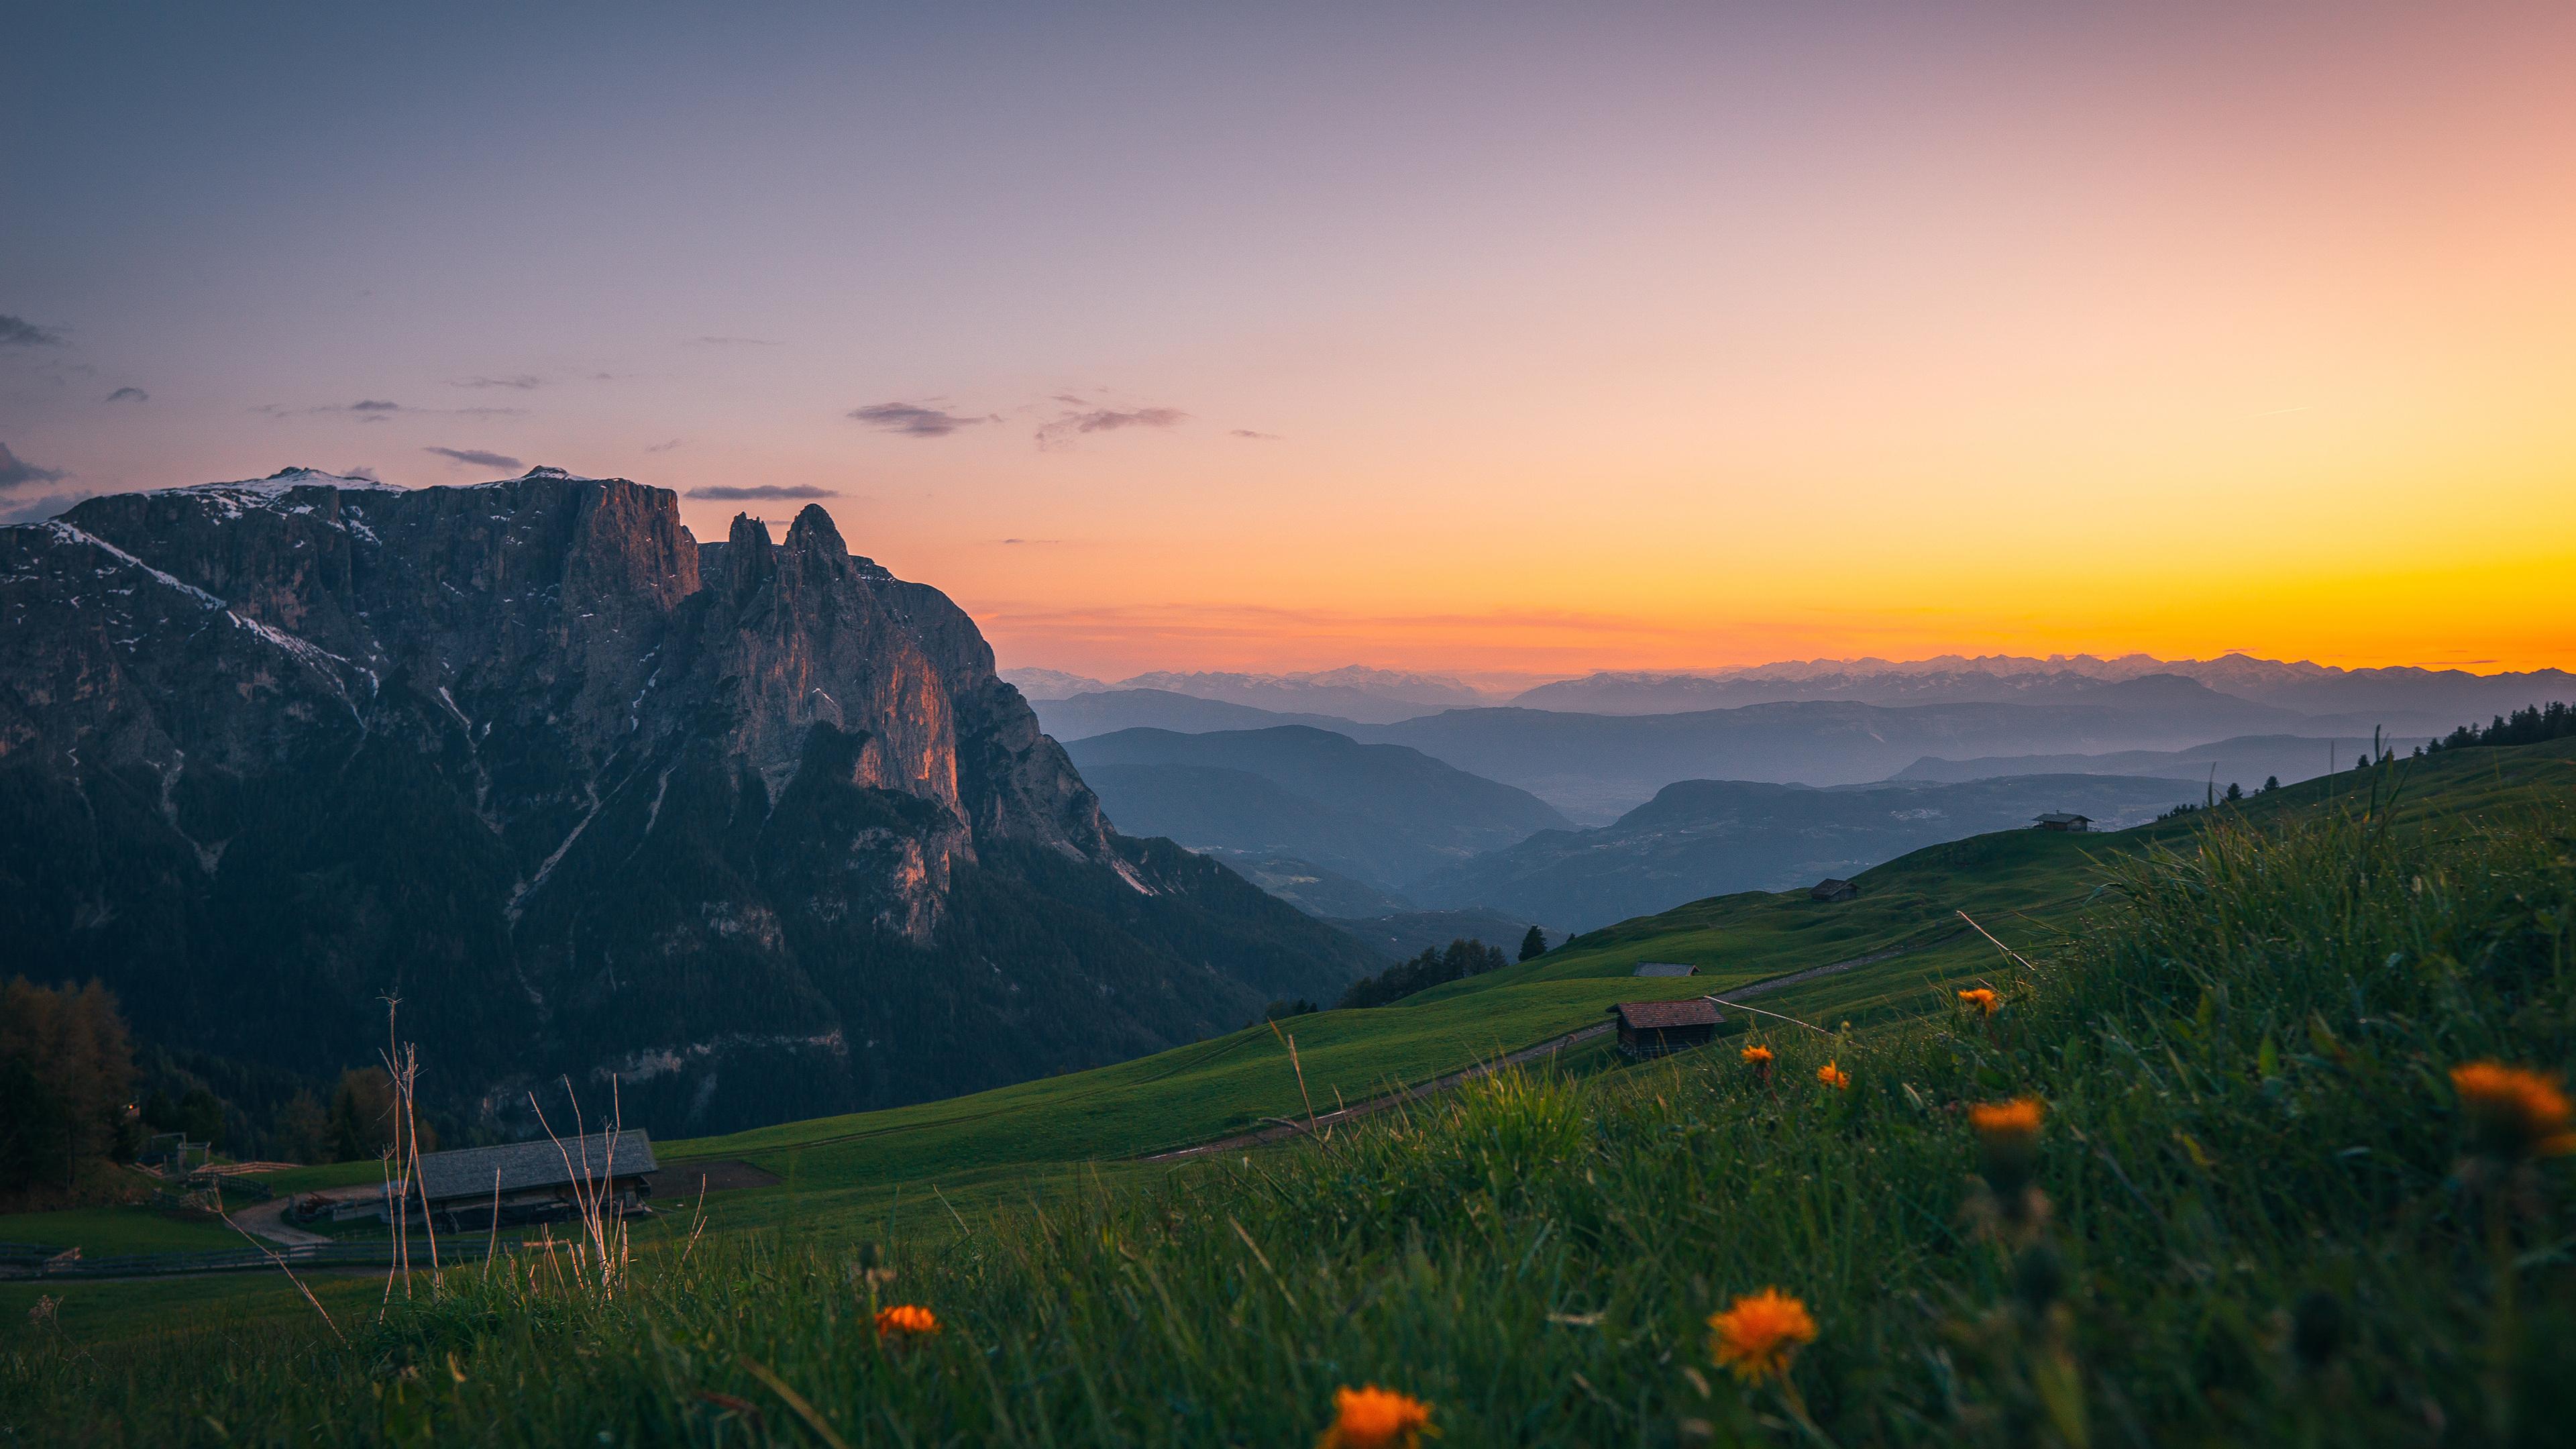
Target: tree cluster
(66, 1083)
(1432, 968)
(2531, 726)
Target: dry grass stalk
(1300, 1069)
(281, 1267)
(601, 1255)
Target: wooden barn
(1659, 1028)
(2063, 820)
(1833, 890)
(535, 1182)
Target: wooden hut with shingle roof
(544, 1181)
(1659, 1028)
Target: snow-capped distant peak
(276, 484)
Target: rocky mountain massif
(750, 826)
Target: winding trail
(1832, 968)
(268, 1220)
(1278, 1131)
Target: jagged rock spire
(813, 530)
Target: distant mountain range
(2247, 760)
(1382, 814)
(2402, 697)
(1596, 766)
(1701, 838)
(1086, 715)
(1372, 696)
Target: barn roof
(1664, 1015)
(1665, 968)
(2063, 817)
(471, 1172)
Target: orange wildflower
(1982, 999)
(2013, 1123)
(906, 1319)
(1369, 1417)
(2514, 1112)
(2008, 1146)
(1833, 1076)
(1757, 1056)
(1758, 1336)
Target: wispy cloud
(661, 447)
(720, 494)
(731, 342)
(1065, 428)
(129, 394)
(522, 382)
(377, 409)
(916, 420)
(355, 471)
(1028, 541)
(1256, 436)
(17, 472)
(475, 457)
(19, 332)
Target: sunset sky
(1507, 341)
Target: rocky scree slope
(752, 826)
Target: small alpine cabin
(2063, 820)
(1660, 1028)
(536, 1182)
(1833, 890)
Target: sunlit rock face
(752, 825)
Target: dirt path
(1834, 968)
(1277, 1131)
(268, 1220)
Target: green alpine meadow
(2258, 1138)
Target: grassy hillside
(2247, 1203)
(2025, 886)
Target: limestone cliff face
(752, 825)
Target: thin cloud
(377, 409)
(1259, 437)
(369, 474)
(19, 332)
(1063, 430)
(522, 382)
(475, 457)
(661, 447)
(914, 420)
(761, 491)
(1028, 541)
(17, 472)
(731, 342)
(129, 394)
